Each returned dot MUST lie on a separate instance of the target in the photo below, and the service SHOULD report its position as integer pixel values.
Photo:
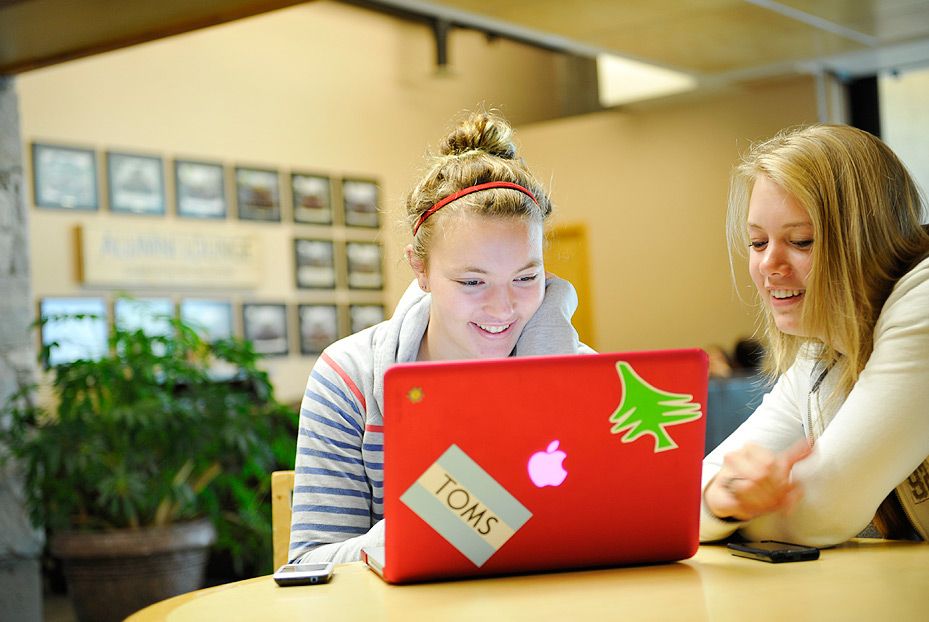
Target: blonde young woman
(480, 291)
(837, 246)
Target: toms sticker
(645, 409)
(466, 506)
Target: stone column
(20, 543)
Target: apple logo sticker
(545, 468)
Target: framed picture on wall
(312, 199)
(359, 202)
(362, 316)
(200, 189)
(364, 265)
(314, 264)
(150, 315)
(136, 183)
(319, 327)
(265, 325)
(212, 319)
(71, 338)
(258, 194)
(64, 177)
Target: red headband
(465, 191)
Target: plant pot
(111, 574)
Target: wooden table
(861, 580)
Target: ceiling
(711, 40)
(714, 40)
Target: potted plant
(130, 468)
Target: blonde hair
(479, 150)
(867, 218)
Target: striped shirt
(339, 490)
(339, 480)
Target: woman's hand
(755, 481)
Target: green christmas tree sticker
(645, 409)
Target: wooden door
(566, 256)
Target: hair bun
(481, 132)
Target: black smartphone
(774, 551)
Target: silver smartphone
(303, 574)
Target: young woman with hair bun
(480, 291)
(834, 227)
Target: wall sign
(120, 256)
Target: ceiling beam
(39, 33)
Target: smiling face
(780, 256)
(487, 280)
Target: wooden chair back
(282, 492)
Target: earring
(423, 285)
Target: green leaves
(148, 434)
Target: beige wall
(321, 87)
(333, 88)
(904, 122)
(651, 186)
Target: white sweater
(865, 446)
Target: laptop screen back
(542, 463)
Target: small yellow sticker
(415, 395)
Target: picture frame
(135, 183)
(362, 316)
(150, 315)
(314, 264)
(212, 319)
(74, 339)
(360, 203)
(363, 261)
(200, 189)
(64, 177)
(265, 325)
(258, 194)
(311, 198)
(319, 327)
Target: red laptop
(541, 463)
